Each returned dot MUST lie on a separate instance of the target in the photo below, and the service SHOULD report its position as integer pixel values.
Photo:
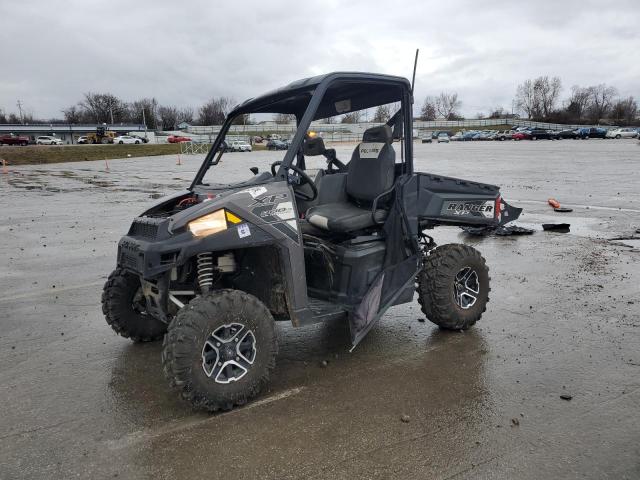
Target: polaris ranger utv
(210, 269)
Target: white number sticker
(243, 230)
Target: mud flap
(508, 213)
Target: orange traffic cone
(5, 170)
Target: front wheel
(453, 286)
(124, 308)
(220, 349)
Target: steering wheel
(305, 181)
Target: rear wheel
(124, 308)
(453, 286)
(220, 349)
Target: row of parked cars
(528, 133)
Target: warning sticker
(243, 230)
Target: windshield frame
(303, 123)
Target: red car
(177, 139)
(522, 136)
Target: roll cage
(326, 96)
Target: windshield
(246, 151)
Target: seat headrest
(381, 134)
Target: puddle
(580, 226)
(630, 242)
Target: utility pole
(111, 112)
(144, 120)
(19, 104)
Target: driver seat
(371, 173)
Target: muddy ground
(564, 319)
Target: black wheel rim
(229, 353)
(466, 288)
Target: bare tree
(101, 107)
(185, 115)
(547, 91)
(74, 114)
(352, 117)
(600, 96)
(383, 113)
(447, 105)
(624, 110)
(578, 102)
(526, 99)
(168, 117)
(428, 111)
(144, 110)
(284, 118)
(214, 111)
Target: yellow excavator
(102, 135)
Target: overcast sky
(183, 53)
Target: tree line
(108, 108)
(539, 99)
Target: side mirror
(254, 170)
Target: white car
(240, 146)
(622, 133)
(48, 140)
(126, 139)
(82, 140)
(443, 137)
(456, 137)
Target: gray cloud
(184, 53)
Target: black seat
(370, 174)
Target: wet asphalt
(563, 319)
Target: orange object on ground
(554, 203)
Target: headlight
(208, 224)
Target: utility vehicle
(210, 269)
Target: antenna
(415, 65)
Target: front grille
(146, 228)
(128, 260)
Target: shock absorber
(204, 264)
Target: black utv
(211, 268)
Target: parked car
(567, 133)
(177, 139)
(593, 132)
(504, 135)
(276, 145)
(427, 139)
(239, 146)
(540, 134)
(522, 135)
(481, 136)
(48, 140)
(468, 136)
(258, 139)
(443, 138)
(457, 137)
(82, 140)
(619, 133)
(13, 139)
(123, 139)
(142, 139)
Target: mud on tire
(444, 270)
(183, 354)
(118, 299)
